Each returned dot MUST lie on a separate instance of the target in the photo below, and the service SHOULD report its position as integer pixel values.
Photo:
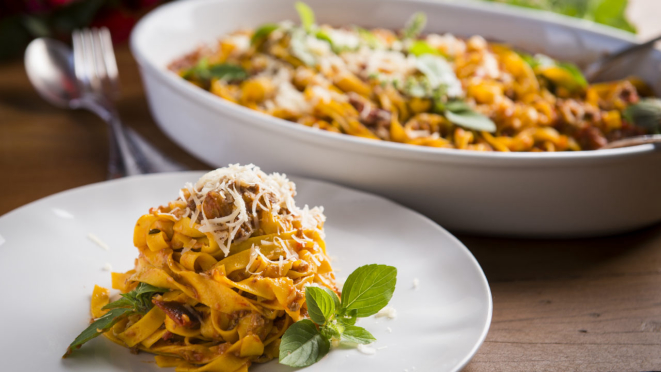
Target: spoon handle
(115, 164)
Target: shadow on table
(530, 259)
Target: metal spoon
(49, 65)
(596, 68)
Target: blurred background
(23, 20)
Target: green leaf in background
(321, 305)
(358, 335)
(611, 13)
(99, 326)
(302, 345)
(414, 26)
(420, 47)
(368, 289)
(646, 113)
(262, 33)
(608, 12)
(306, 14)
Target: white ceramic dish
(523, 194)
(49, 268)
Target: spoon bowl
(49, 65)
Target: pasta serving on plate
(405, 86)
(221, 274)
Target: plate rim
(483, 279)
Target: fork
(97, 74)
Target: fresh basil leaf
(347, 316)
(440, 73)
(262, 33)
(612, 13)
(227, 72)
(471, 120)
(358, 335)
(306, 14)
(321, 35)
(122, 302)
(321, 305)
(575, 72)
(415, 25)
(368, 289)
(302, 345)
(98, 327)
(224, 71)
(332, 330)
(457, 106)
(646, 114)
(299, 48)
(421, 47)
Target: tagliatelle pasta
(228, 263)
(432, 90)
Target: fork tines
(94, 61)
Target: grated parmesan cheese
(388, 312)
(107, 267)
(62, 213)
(416, 283)
(366, 349)
(98, 241)
(275, 190)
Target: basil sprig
(203, 72)
(460, 113)
(263, 32)
(367, 290)
(414, 26)
(138, 301)
(646, 113)
(306, 15)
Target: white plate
(566, 194)
(49, 267)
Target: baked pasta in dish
(221, 274)
(423, 89)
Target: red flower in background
(23, 20)
(58, 3)
(119, 22)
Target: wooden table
(588, 305)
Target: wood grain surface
(579, 305)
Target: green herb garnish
(414, 26)
(462, 114)
(262, 33)
(421, 47)
(646, 114)
(563, 74)
(306, 15)
(367, 290)
(138, 301)
(204, 72)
